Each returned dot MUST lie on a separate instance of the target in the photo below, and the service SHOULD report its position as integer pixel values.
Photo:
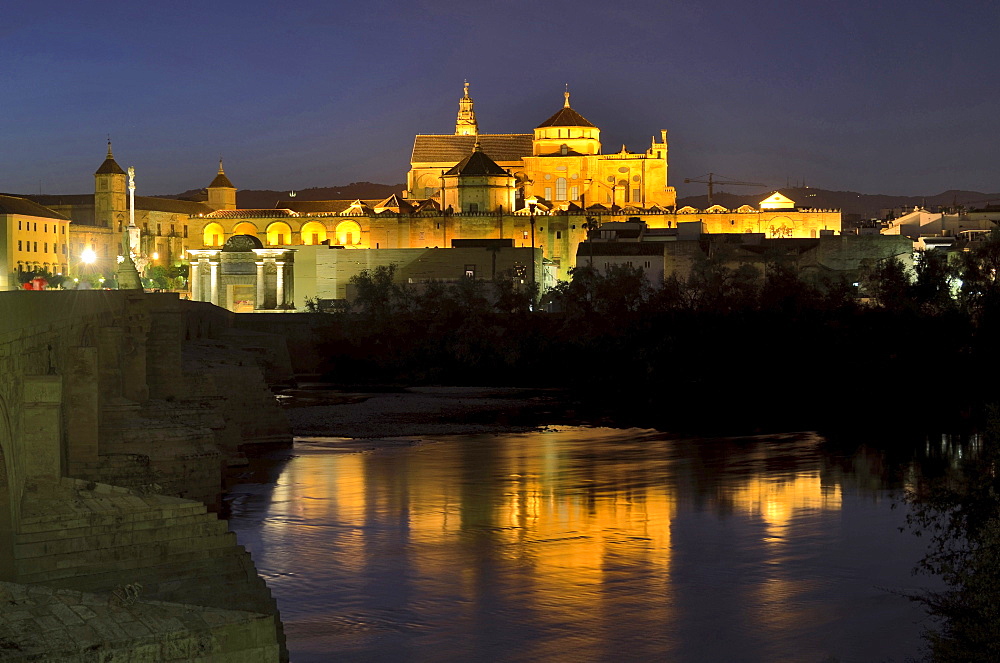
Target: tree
(887, 282)
(375, 291)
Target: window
(36, 246)
(45, 227)
(19, 224)
(36, 227)
(473, 207)
(45, 247)
(636, 195)
(574, 193)
(548, 193)
(19, 245)
(185, 230)
(560, 188)
(470, 271)
(524, 235)
(558, 234)
(173, 229)
(647, 264)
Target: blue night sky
(882, 97)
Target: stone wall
(96, 391)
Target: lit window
(560, 188)
(574, 193)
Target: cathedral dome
(477, 163)
(566, 117)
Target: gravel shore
(419, 411)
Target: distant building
(99, 219)
(324, 272)
(540, 189)
(32, 239)
(676, 252)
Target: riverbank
(422, 411)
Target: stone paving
(38, 623)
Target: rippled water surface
(583, 545)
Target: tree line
(724, 343)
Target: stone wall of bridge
(113, 408)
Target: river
(585, 544)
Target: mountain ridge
(852, 203)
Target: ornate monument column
(127, 275)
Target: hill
(864, 205)
(851, 203)
(266, 198)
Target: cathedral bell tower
(466, 124)
(110, 208)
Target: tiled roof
(566, 117)
(110, 167)
(25, 207)
(321, 206)
(452, 149)
(395, 204)
(477, 163)
(250, 213)
(70, 199)
(171, 205)
(221, 181)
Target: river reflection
(583, 545)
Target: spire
(221, 181)
(466, 124)
(566, 94)
(110, 166)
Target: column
(280, 285)
(195, 280)
(215, 281)
(259, 304)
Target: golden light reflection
(776, 500)
(563, 518)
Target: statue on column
(127, 275)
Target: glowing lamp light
(88, 256)
(156, 256)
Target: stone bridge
(117, 418)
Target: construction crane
(712, 179)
